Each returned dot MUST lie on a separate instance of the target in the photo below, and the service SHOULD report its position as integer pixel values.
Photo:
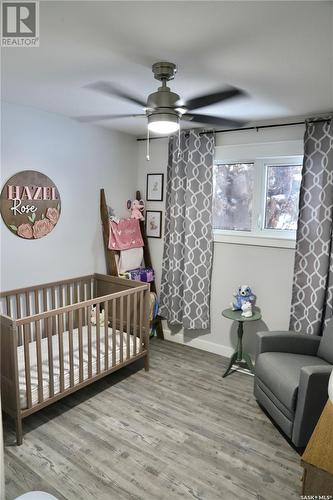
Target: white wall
(80, 159)
(268, 270)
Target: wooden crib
(51, 345)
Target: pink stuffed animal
(136, 207)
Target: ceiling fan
(164, 109)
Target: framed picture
(153, 223)
(155, 187)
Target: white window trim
(263, 155)
(240, 238)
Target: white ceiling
(281, 53)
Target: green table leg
(239, 355)
(240, 333)
(248, 362)
(231, 362)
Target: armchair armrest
(312, 397)
(295, 343)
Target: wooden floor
(179, 431)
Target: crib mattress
(56, 363)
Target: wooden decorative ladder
(111, 264)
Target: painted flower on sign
(25, 231)
(42, 228)
(53, 215)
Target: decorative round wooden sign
(30, 204)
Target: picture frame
(153, 223)
(155, 185)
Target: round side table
(239, 356)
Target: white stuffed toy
(247, 310)
(101, 316)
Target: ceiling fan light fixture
(163, 123)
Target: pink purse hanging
(125, 235)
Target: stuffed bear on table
(244, 300)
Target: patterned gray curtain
(188, 241)
(312, 298)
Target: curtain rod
(257, 127)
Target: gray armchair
(291, 379)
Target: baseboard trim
(199, 343)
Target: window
(257, 198)
(233, 196)
(282, 192)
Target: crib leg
(19, 432)
(147, 362)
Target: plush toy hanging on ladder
(136, 207)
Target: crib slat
(68, 301)
(8, 305)
(83, 298)
(114, 330)
(18, 315)
(44, 299)
(36, 294)
(89, 343)
(27, 303)
(68, 294)
(46, 324)
(80, 345)
(26, 336)
(70, 337)
(61, 351)
(50, 356)
(106, 334)
(88, 290)
(121, 329)
(53, 306)
(135, 321)
(61, 295)
(128, 327)
(18, 305)
(98, 345)
(141, 320)
(53, 297)
(39, 362)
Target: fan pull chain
(179, 141)
(147, 150)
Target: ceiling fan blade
(113, 90)
(99, 118)
(207, 100)
(213, 120)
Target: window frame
(263, 156)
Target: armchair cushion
(288, 342)
(280, 373)
(325, 350)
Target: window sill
(254, 240)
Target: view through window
(257, 198)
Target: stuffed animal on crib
(93, 316)
(244, 295)
(136, 207)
